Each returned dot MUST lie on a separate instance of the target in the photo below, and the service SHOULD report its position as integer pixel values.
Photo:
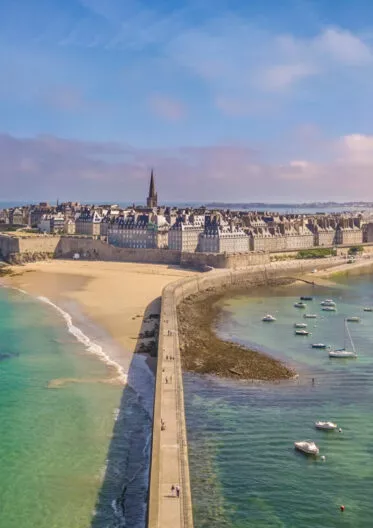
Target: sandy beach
(113, 295)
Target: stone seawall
(169, 465)
(20, 249)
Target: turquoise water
(64, 457)
(244, 469)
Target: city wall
(18, 249)
(169, 447)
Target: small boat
(307, 446)
(302, 332)
(326, 426)
(329, 308)
(368, 309)
(310, 316)
(319, 345)
(328, 302)
(306, 298)
(343, 353)
(300, 304)
(353, 319)
(300, 325)
(268, 318)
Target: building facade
(139, 231)
(88, 223)
(185, 233)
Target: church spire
(153, 197)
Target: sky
(228, 100)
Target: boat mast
(349, 335)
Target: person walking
(172, 490)
(177, 491)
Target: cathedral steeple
(152, 199)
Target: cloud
(167, 107)
(343, 46)
(45, 167)
(356, 149)
(283, 76)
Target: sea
(74, 445)
(245, 472)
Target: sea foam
(92, 347)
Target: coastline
(108, 304)
(203, 352)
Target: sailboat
(343, 352)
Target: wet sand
(114, 295)
(203, 352)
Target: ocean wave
(92, 347)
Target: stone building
(88, 223)
(185, 232)
(50, 223)
(16, 217)
(221, 237)
(69, 227)
(139, 231)
(347, 233)
(324, 232)
(297, 235)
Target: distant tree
(355, 250)
(316, 253)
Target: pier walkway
(169, 465)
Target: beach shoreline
(115, 305)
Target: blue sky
(227, 100)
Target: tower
(152, 199)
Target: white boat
(302, 332)
(344, 353)
(319, 345)
(368, 309)
(300, 304)
(326, 426)
(300, 325)
(307, 446)
(353, 319)
(329, 308)
(328, 302)
(310, 316)
(268, 318)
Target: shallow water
(244, 470)
(66, 453)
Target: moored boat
(328, 302)
(302, 332)
(306, 298)
(368, 309)
(329, 308)
(326, 426)
(353, 319)
(300, 325)
(344, 353)
(300, 304)
(307, 446)
(319, 345)
(268, 318)
(310, 316)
